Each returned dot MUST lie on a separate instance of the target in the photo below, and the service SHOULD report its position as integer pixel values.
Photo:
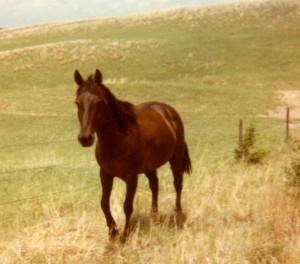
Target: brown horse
(131, 140)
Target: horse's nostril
(86, 141)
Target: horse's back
(161, 114)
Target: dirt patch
(286, 99)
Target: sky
(14, 13)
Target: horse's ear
(77, 77)
(98, 77)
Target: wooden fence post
(241, 132)
(287, 130)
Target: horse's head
(89, 100)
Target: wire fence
(49, 194)
(45, 167)
(235, 137)
(5, 147)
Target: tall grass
(233, 213)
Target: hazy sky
(22, 12)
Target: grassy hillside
(214, 64)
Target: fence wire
(49, 194)
(18, 146)
(35, 144)
(45, 167)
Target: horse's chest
(118, 163)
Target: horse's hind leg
(178, 178)
(153, 183)
(128, 204)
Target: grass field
(214, 64)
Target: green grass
(214, 65)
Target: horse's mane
(123, 111)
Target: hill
(214, 64)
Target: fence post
(287, 129)
(241, 132)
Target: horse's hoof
(113, 233)
(155, 218)
(179, 218)
(126, 234)
(123, 239)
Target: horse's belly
(146, 159)
(121, 167)
(157, 155)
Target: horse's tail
(186, 162)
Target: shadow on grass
(144, 222)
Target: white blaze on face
(88, 115)
(85, 116)
(170, 123)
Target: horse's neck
(112, 136)
(108, 133)
(112, 139)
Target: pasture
(214, 64)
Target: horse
(131, 140)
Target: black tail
(186, 162)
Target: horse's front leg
(107, 183)
(128, 204)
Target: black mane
(123, 111)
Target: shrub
(293, 171)
(246, 150)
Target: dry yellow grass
(66, 52)
(232, 215)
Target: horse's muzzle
(86, 140)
